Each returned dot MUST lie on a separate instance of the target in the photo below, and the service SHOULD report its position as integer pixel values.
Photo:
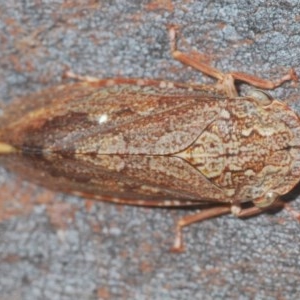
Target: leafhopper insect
(157, 143)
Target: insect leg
(72, 75)
(198, 217)
(256, 210)
(191, 59)
(225, 81)
(264, 83)
(218, 211)
(97, 82)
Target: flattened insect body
(152, 143)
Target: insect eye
(262, 97)
(267, 200)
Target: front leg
(225, 81)
(219, 211)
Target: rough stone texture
(54, 246)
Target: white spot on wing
(103, 118)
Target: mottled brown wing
(155, 179)
(122, 119)
(112, 143)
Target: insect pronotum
(157, 143)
